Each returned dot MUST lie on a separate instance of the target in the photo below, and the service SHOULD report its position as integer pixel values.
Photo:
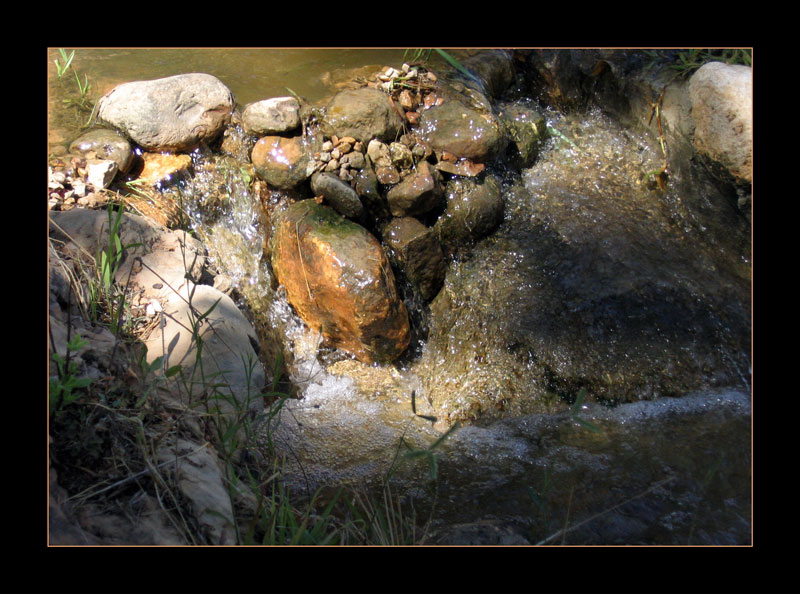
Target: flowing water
(591, 259)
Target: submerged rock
(527, 129)
(176, 113)
(593, 281)
(339, 281)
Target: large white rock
(722, 107)
(169, 114)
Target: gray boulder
(277, 115)
(176, 113)
(722, 106)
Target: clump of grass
(686, 61)
(77, 96)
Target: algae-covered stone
(339, 281)
(527, 130)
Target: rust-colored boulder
(339, 281)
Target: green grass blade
(455, 64)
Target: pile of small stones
(412, 90)
(71, 183)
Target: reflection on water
(252, 74)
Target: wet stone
(417, 194)
(337, 194)
(104, 144)
(339, 282)
(418, 253)
(282, 162)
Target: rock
(163, 168)
(100, 173)
(272, 116)
(338, 194)
(176, 113)
(367, 189)
(387, 175)
(227, 359)
(379, 153)
(363, 114)
(722, 106)
(201, 480)
(494, 67)
(418, 253)
(355, 159)
(474, 210)
(463, 167)
(160, 257)
(417, 194)
(339, 281)
(282, 162)
(401, 156)
(462, 131)
(527, 130)
(101, 143)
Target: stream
(589, 354)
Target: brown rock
(339, 281)
(282, 162)
(416, 194)
(362, 114)
(418, 253)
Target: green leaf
(172, 371)
(207, 313)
